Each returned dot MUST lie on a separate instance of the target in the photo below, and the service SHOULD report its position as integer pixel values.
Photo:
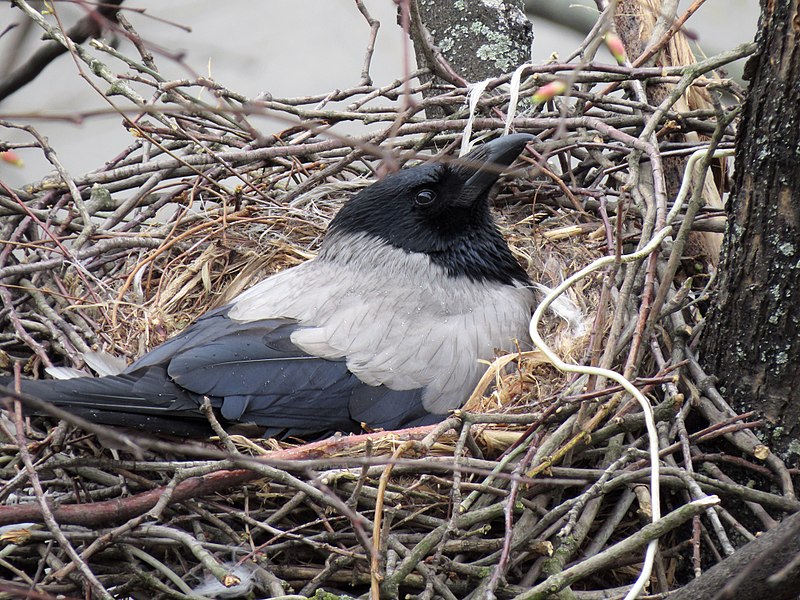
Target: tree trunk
(478, 39)
(747, 573)
(751, 340)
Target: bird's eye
(425, 197)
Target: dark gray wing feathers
(251, 372)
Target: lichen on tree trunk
(478, 38)
(751, 341)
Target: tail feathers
(145, 399)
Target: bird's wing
(254, 373)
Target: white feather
(104, 363)
(100, 362)
(564, 308)
(65, 372)
(213, 588)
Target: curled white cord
(652, 435)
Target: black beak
(480, 168)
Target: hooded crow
(414, 288)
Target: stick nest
(507, 498)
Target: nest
(510, 497)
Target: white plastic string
(474, 94)
(513, 98)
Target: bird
(390, 326)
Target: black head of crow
(389, 326)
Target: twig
(643, 537)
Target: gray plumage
(389, 326)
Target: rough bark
(752, 572)
(478, 38)
(751, 340)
